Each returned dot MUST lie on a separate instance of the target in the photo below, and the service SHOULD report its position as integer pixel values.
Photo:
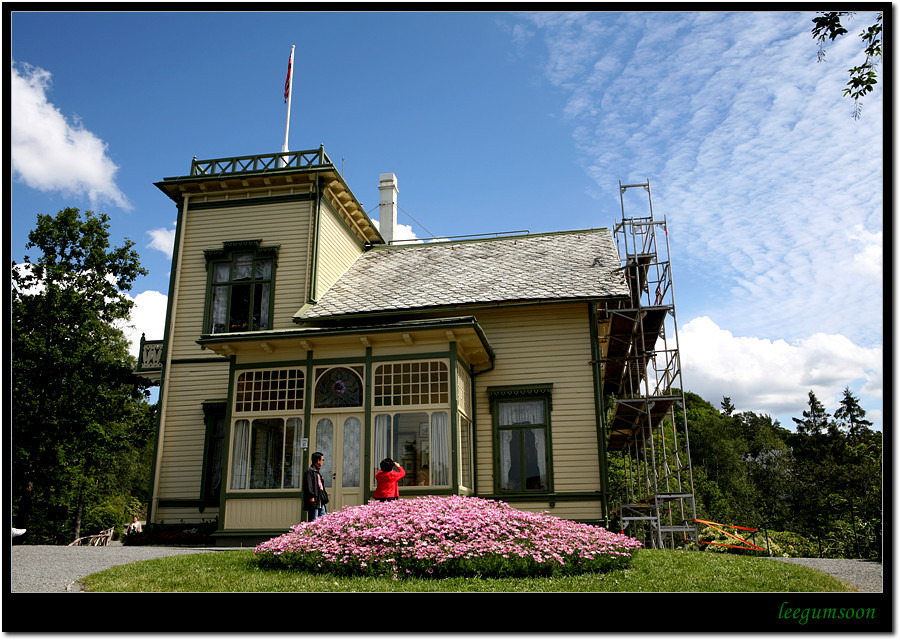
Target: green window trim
(240, 287)
(522, 439)
(212, 480)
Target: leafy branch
(863, 77)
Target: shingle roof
(554, 266)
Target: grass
(650, 571)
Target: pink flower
(433, 530)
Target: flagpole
(289, 88)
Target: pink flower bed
(443, 537)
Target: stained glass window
(338, 387)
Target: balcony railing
(150, 355)
(261, 163)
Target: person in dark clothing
(314, 495)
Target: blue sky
(495, 122)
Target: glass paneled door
(339, 437)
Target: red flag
(287, 81)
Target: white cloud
(162, 239)
(401, 232)
(148, 317)
(775, 376)
(764, 178)
(772, 193)
(48, 152)
(868, 259)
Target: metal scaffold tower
(641, 374)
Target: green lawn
(650, 571)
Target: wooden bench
(101, 539)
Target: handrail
(150, 354)
(261, 163)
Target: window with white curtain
(240, 292)
(419, 441)
(266, 453)
(418, 436)
(522, 432)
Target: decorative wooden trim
(227, 248)
(520, 391)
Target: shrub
(443, 537)
(100, 517)
(778, 544)
(787, 544)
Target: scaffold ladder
(641, 371)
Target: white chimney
(387, 212)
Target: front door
(339, 437)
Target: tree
(727, 407)
(78, 407)
(863, 77)
(852, 416)
(771, 465)
(815, 420)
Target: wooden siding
(184, 427)
(279, 513)
(337, 250)
(568, 509)
(286, 224)
(539, 345)
(184, 515)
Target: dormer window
(241, 278)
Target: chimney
(387, 212)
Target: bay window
(265, 449)
(267, 453)
(419, 441)
(413, 425)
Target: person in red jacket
(387, 480)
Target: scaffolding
(641, 377)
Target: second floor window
(241, 292)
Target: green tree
(727, 407)
(851, 416)
(859, 474)
(815, 420)
(718, 447)
(78, 407)
(862, 77)
(770, 463)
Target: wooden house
(294, 326)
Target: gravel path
(865, 575)
(55, 569)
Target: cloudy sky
(772, 192)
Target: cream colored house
(294, 326)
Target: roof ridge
(420, 242)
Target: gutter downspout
(312, 296)
(170, 332)
(599, 412)
(473, 374)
